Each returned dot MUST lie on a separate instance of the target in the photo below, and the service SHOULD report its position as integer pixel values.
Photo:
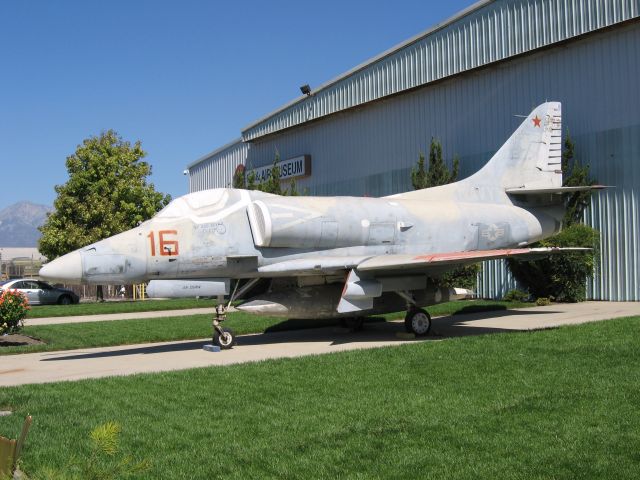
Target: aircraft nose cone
(66, 269)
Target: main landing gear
(417, 321)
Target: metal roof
(217, 151)
(487, 31)
(217, 168)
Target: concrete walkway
(157, 357)
(119, 316)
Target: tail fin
(530, 160)
(532, 157)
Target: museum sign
(297, 167)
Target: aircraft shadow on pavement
(164, 348)
(375, 330)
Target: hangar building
(463, 82)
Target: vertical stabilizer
(530, 160)
(532, 157)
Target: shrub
(461, 277)
(542, 301)
(561, 276)
(516, 296)
(13, 310)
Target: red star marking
(536, 121)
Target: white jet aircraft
(341, 256)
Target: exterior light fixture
(306, 90)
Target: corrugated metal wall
(616, 214)
(491, 32)
(370, 151)
(217, 168)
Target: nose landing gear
(222, 337)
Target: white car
(41, 293)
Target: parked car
(41, 293)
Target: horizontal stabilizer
(553, 190)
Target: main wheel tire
(418, 322)
(64, 300)
(226, 340)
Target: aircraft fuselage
(248, 231)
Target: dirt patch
(17, 340)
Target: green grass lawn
(164, 329)
(560, 403)
(125, 332)
(42, 311)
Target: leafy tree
(293, 189)
(419, 174)
(438, 174)
(251, 181)
(238, 177)
(106, 193)
(272, 184)
(575, 175)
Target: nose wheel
(222, 337)
(417, 321)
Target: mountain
(19, 224)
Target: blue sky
(182, 77)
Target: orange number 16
(167, 247)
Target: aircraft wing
(368, 277)
(375, 275)
(453, 259)
(385, 263)
(312, 266)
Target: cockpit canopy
(203, 203)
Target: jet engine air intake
(300, 222)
